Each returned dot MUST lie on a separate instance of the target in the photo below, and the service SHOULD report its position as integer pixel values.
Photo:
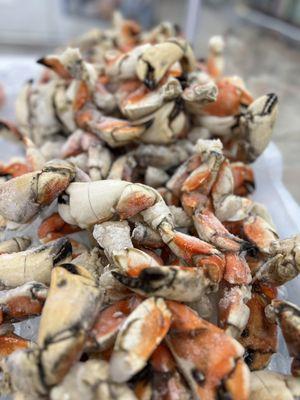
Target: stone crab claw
(14, 245)
(172, 282)
(156, 60)
(23, 302)
(70, 65)
(283, 263)
(210, 361)
(138, 337)
(257, 125)
(247, 134)
(33, 264)
(165, 125)
(60, 340)
(114, 131)
(142, 101)
(287, 316)
(23, 197)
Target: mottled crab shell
(91, 380)
(62, 339)
(170, 282)
(34, 264)
(23, 197)
(35, 111)
(156, 60)
(268, 385)
(259, 122)
(138, 337)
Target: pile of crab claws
(287, 315)
(157, 273)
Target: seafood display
(129, 230)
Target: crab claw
(288, 317)
(283, 263)
(15, 245)
(55, 64)
(114, 131)
(233, 312)
(237, 270)
(260, 335)
(156, 60)
(138, 337)
(69, 65)
(210, 360)
(28, 193)
(22, 302)
(108, 322)
(133, 261)
(143, 102)
(194, 251)
(170, 282)
(33, 264)
(258, 124)
(210, 229)
(259, 232)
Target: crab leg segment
(34, 264)
(15, 245)
(288, 317)
(138, 337)
(210, 229)
(260, 335)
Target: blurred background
(262, 44)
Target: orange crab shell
(10, 343)
(211, 354)
(230, 97)
(55, 227)
(260, 335)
